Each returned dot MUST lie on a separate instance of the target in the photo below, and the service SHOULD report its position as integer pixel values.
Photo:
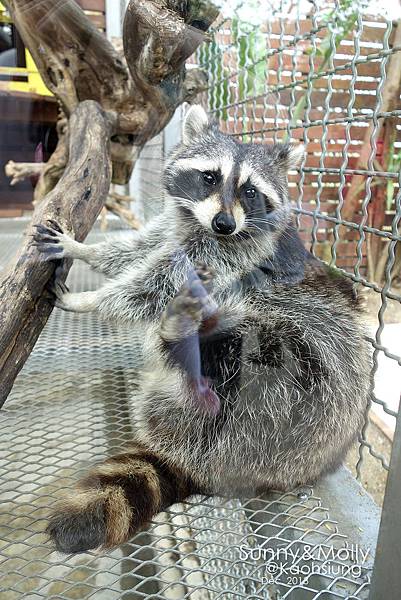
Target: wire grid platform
(74, 404)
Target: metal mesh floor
(72, 405)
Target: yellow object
(3, 16)
(34, 83)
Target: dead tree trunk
(105, 98)
(74, 203)
(144, 87)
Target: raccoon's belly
(239, 369)
(275, 428)
(271, 430)
(221, 362)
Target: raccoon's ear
(196, 123)
(290, 156)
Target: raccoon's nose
(223, 223)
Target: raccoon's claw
(43, 232)
(52, 231)
(59, 290)
(183, 316)
(186, 305)
(49, 252)
(206, 275)
(55, 226)
(77, 302)
(50, 241)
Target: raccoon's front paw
(62, 295)
(192, 306)
(210, 310)
(79, 524)
(183, 315)
(52, 243)
(206, 276)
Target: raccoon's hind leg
(115, 500)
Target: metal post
(386, 582)
(114, 14)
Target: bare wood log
(124, 155)
(158, 37)
(103, 219)
(54, 168)
(79, 65)
(73, 57)
(20, 171)
(115, 204)
(76, 62)
(122, 197)
(74, 203)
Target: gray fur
(293, 380)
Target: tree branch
(54, 168)
(158, 36)
(74, 203)
(77, 63)
(83, 70)
(116, 204)
(20, 171)
(75, 59)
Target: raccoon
(256, 367)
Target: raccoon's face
(226, 187)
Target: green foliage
(213, 56)
(250, 72)
(394, 165)
(251, 50)
(250, 44)
(340, 21)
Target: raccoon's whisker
(182, 190)
(185, 202)
(253, 226)
(283, 234)
(181, 199)
(254, 212)
(241, 235)
(251, 238)
(254, 220)
(261, 219)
